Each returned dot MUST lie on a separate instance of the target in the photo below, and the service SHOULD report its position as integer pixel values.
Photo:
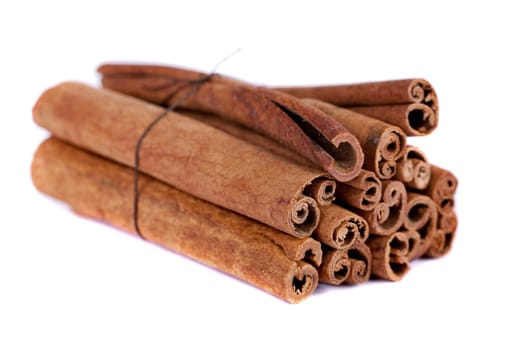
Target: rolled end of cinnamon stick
(421, 91)
(363, 192)
(322, 190)
(347, 157)
(340, 228)
(388, 216)
(303, 282)
(443, 185)
(390, 148)
(422, 120)
(415, 119)
(389, 256)
(422, 218)
(336, 266)
(360, 257)
(304, 217)
(414, 169)
(414, 242)
(445, 234)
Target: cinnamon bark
(99, 188)
(422, 217)
(442, 188)
(248, 135)
(414, 169)
(277, 115)
(415, 119)
(414, 243)
(360, 258)
(340, 228)
(189, 155)
(362, 192)
(322, 191)
(382, 144)
(336, 266)
(389, 256)
(388, 216)
(444, 237)
(410, 104)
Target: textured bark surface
(410, 104)
(102, 189)
(277, 115)
(187, 154)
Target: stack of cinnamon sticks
(280, 187)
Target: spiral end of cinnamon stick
(390, 148)
(363, 192)
(388, 216)
(414, 169)
(347, 157)
(361, 263)
(390, 256)
(340, 228)
(322, 190)
(422, 120)
(422, 218)
(304, 217)
(335, 268)
(302, 283)
(443, 186)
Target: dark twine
(194, 85)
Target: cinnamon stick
(414, 169)
(422, 217)
(388, 216)
(189, 155)
(363, 192)
(442, 188)
(410, 104)
(444, 237)
(339, 228)
(336, 266)
(248, 135)
(382, 143)
(389, 256)
(360, 257)
(277, 115)
(101, 189)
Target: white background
(71, 283)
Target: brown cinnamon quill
(383, 144)
(442, 188)
(360, 258)
(336, 266)
(388, 216)
(339, 228)
(189, 155)
(277, 115)
(414, 169)
(362, 192)
(410, 104)
(445, 235)
(421, 217)
(389, 256)
(101, 189)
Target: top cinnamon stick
(409, 103)
(282, 117)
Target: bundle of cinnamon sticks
(281, 187)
